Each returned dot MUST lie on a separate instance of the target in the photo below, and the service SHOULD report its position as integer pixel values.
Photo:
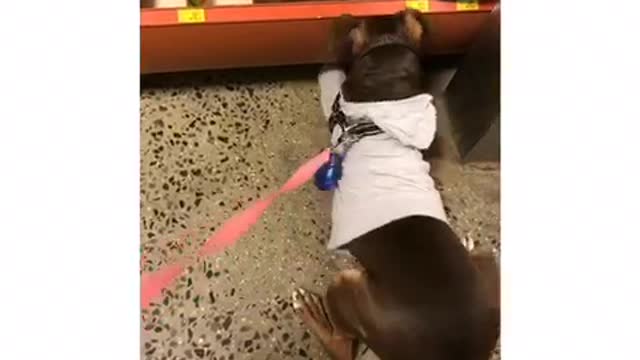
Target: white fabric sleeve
(330, 81)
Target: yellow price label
(420, 5)
(191, 16)
(467, 5)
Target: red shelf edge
(295, 11)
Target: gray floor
(213, 142)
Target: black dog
(421, 293)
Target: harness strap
(351, 133)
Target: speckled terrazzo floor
(212, 142)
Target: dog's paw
(483, 250)
(496, 253)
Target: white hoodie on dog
(384, 176)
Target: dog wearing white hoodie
(420, 294)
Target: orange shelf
(280, 33)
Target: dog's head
(381, 55)
(352, 37)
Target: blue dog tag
(328, 175)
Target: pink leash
(152, 283)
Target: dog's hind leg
(489, 274)
(488, 270)
(335, 318)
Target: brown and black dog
(421, 293)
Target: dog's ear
(347, 39)
(414, 26)
(358, 38)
